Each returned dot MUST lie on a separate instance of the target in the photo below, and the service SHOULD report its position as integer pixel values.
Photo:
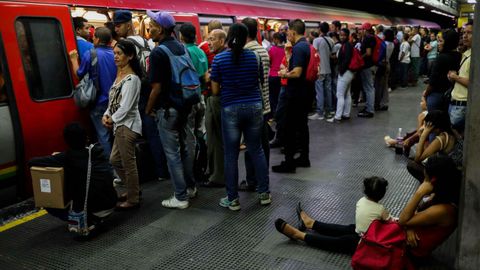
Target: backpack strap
(89, 174)
(138, 45)
(94, 65)
(328, 43)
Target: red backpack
(357, 62)
(313, 65)
(382, 247)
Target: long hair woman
(448, 59)
(430, 224)
(235, 77)
(123, 116)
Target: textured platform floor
(206, 236)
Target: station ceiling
(389, 8)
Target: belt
(458, 103)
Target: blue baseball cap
(122, 16)
(164, 19)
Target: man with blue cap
(171, 121)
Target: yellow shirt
(459, 91)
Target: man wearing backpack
(124, 28)
(368, 72)
(105, 74)
(323, 86)
(163, 104)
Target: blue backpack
(379, 52)
(185, 90)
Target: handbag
(86, 90)
(78, 221)
(382, 247)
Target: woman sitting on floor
(430, 224)
(437, 123)
(341, 238)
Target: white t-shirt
(366, 212)
(415, 50)
(405, 48)
(390, 47)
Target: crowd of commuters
(250, 86)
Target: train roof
(254, 8)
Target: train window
(44, 58)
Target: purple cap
(164, 19)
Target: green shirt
(199, 59)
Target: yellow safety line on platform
(22, 220)
(8, 170)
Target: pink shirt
(276, 54)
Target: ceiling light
(409, 3)
(470, 1)
(398, 0)
(421, 7)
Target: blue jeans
(415, 66)
(150, 131)
(457, 116)
(280, 114)
(435, 101)
(173, 132)
(323, 87)
(104, 135)
(246, 119)
(368, 87)
(249, 166)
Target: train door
(36, 40)
(8, 166)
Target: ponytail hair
(236, 40)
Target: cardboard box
(48, 187)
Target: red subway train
(35, 38)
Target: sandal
(299, 210)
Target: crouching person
(102, 197)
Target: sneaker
(333, 120)
(233, 205)
(174, 203)
(265, 198)
(118, 182)
(365, 114)
(192, 192)
(315, 116)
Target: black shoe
(244, 186)
(284, 167)
(302, 162)
(383, 108)
(276, 143)
(365, 114)
(209, 184)
(345, 117)
(301, 225)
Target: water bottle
(399, 144)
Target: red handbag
(382, 247)
(357, 62)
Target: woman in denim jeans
(235, 77)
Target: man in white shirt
(415, 43)
(323, 86)
(404, 58)
(458, 104)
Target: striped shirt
(260, 51)
(239, 83)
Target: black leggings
(333, 237)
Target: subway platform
(206, 236)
